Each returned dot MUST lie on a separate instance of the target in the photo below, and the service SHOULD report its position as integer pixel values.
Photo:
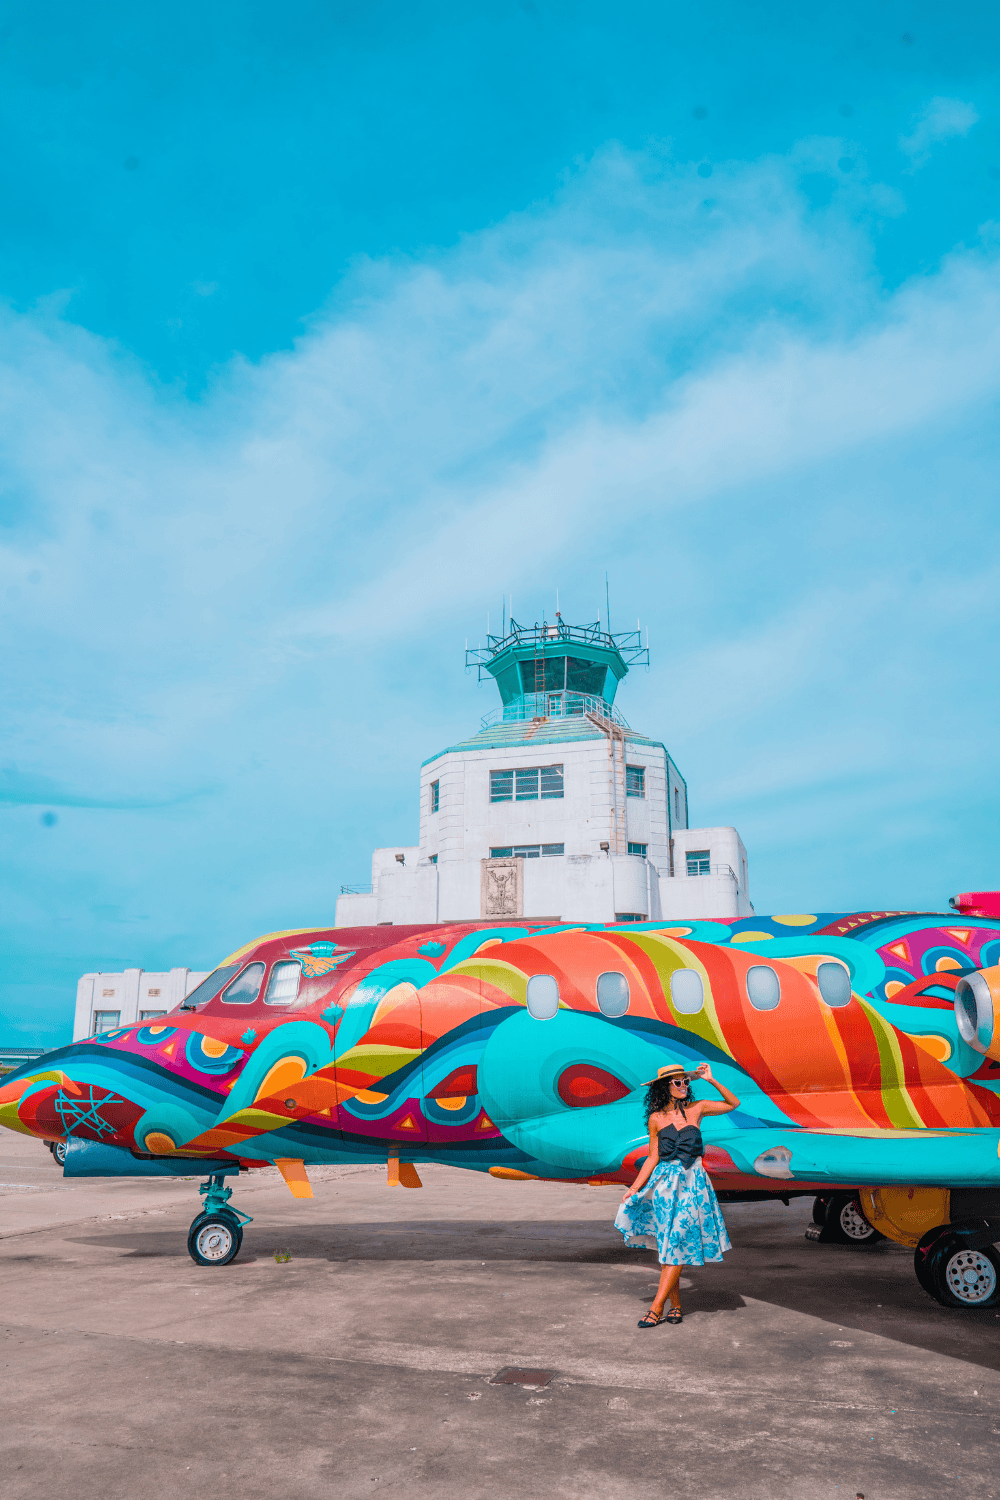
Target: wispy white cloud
(940, 120)
(788, 471)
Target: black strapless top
(684, 1145)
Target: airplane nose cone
(53, 1097)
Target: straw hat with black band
(672, 1070)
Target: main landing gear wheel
(215, 1238)
(845, 1224)
(820, 1206)
(58, 1149)
(955, 1274)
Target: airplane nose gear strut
(216, 1235)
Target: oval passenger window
(245, 989)
(543, 997)
(687, 991)
(834, 983)
(763, 987)
(612, 994)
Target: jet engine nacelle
(977, 1003)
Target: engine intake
(976, 999)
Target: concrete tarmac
(362, 1366)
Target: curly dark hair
(659, 1097)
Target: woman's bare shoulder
(657, 1120)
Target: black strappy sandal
(650, 1320)
(674, 1316)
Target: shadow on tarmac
(868, 1289)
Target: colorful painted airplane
(862, 1048)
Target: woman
(671, 1206)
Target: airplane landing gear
(839, 1219)
(955, 1269)
(216, 1235)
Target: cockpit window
(244, 991)
(283, 985)
(210, 987)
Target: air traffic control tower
(555, 808)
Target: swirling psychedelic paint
(206, 1054)
(428, 1047)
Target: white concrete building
(556, 807)
(106, 1001)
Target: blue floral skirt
(677, 1214)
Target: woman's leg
(668, 1288)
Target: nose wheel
(215, 1239)
(216, 1235)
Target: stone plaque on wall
(501, 888)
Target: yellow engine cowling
(977, 1003)
(905, 1214)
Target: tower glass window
(677, 804)
(527, 784)
(635, 781)
(501, 786)
(435, 796)
(699, 861)
(527, 851)
(105, 1020)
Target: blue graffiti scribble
(248, 1036)
(75, 1113)
(332, 1013)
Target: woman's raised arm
(709, 1106)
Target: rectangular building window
(527, 784)
(552, 782)
(151, 1015)
(528, 851)
(677, 804)
(501, 786)
(435, 795)
(699, 861)
(635, 781)
(105, 1020)
(639, 849)
(630, 916)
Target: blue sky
(323, 327)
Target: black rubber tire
(960, 1278)
(921, 1255)
(820, 1205)
(215, 1239)
(844, 1217)
(58, 1149)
